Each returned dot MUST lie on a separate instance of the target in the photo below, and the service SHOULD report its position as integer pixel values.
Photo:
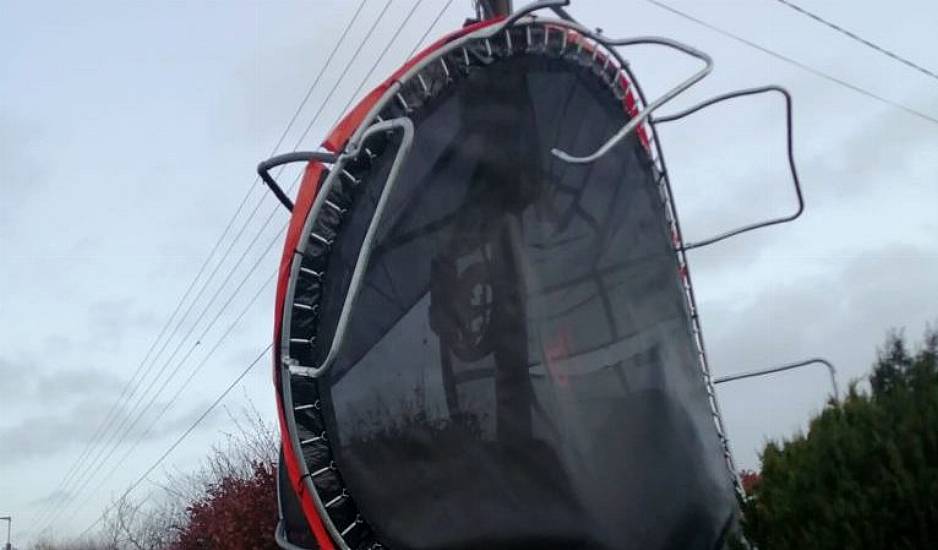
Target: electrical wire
(397, 33)
(109, 419)
(168, 405)
(796, 63)
(858, 38)
(358, 50)
(186, 433)
(430, 28)
(374, 65)
(95, 469)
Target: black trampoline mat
(519, 370)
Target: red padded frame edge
(309, 188)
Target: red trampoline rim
(306, 196)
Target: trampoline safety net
(519, 369)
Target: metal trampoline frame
(604, 54)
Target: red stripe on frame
(309, 188)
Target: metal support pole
(762, 372)
(9, 520)
(494, 8)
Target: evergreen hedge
(866, 474)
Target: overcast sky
(129, 132)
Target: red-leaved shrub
(235, 514)
(750, 480)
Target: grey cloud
(21, 175)
(65, 427)
(55, 429)
(14, 374)
(112, 320)
(26, 381)
(54, 496)
(69, 406)
(850, 307)
(842, 315)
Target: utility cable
(182, 387)
(358, 50)
(186, 433)
(860, 39)
(269, 218)
(110, 417)
(374, 65)
(796, 63)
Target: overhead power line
(430, 28)
(860, 39)
(387, 47)
(165, 408)
(348, 66)
(169, 404)
(186, 433)
(133, 420)
(134, 383)
(96, 468)
(800, 65)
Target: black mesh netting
(519, 370)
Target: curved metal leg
(364, 255)
(263, 170)
(762, 372)
(791, 158)
(651, 107)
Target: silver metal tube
(807, 362)
(280, 536)
(791, 158)
(364, 254)
(651, 107)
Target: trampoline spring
(351, 178)
(528, 35)
(308, 372)
(313, 405)
(311, 273)
(546, 37)
(335, 207)
(465, 54)
(445, 68)
(329, 468)
(307, 341)
(488, 47)
(342, 496)
(306, 307)
(320, 238)
(423, 84)
(370, 154)
(508, 41)
(316, 439)
(379, 118)
(403, 102)
(623, 84)
(357, 521)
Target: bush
(866, 474)
(228, 503)
(236, 513)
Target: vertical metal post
(494, 8)
(9, 520)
